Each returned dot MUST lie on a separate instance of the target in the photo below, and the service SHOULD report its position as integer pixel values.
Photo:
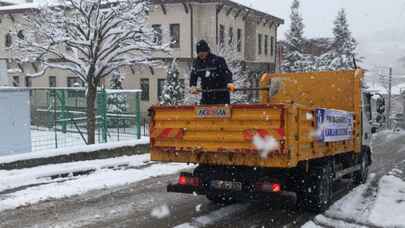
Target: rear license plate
(213, 112)
(226, 185)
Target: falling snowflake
(265, 145)
(160, 212)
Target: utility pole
(389, 98)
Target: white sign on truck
(334, 125)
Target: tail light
(268, 187)
(189, 180)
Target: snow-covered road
(131, 192)
(381, 201)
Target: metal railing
(59, 117)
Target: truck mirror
(373, 130)
(380, 103)
(275, 86)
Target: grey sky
(379, 26)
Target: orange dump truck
(308, 131)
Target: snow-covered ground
(29, 186)
(378, 203)
(368, 206)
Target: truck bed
(190, 134)
(178, 135)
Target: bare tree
(234, 60)
(90, 39)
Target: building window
(16, 81)
(20, 34)
(145, 89)
(175, 35)
(157, 34)
(161, 84)
(28, 81)
(52, 81)
(230, 36)
(266, 44)
(221, 34)
(260, 37)
(239, 40)
(272, 46)
(8, 40)
(74, 82)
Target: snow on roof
(396, 89)
(19, 8)
(12, 2)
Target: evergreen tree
(344, 45)
(117, 103)
(293, 56)
(173, 89)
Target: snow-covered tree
(293, 53)
(190, 99)
(344, 45)
(234, 60)
(117, 103)
(324, 61)
(89, 39)
(173, 89)
(309, 63)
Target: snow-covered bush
(117, 104)
(173, 89)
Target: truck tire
(317, 193)
(360, 177)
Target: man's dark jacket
(214, 74)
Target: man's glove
(194, 90)
(231, 87)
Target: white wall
(15, 122)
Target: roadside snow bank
(73, 150)
(389, 208)
(11, 179)
(379, 203)
(29, 186)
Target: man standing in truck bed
(216, 78)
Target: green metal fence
(59, 119)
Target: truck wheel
(360, 177)
(317, 193)
(222, 199)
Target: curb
(80, 156)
